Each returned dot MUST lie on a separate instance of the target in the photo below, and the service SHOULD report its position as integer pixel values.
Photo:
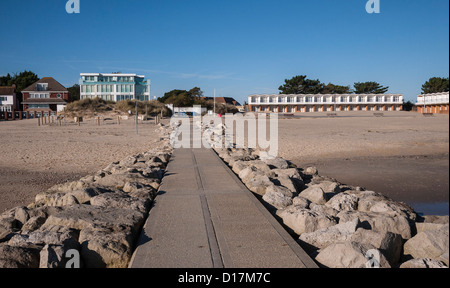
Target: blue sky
(238, 47)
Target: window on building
(38, 106)
(42, 86)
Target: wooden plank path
(204, 217)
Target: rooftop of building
(7, 90)
(112, 75)
(53, 86)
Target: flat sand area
(34, 158)
(403, 155)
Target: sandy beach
(403, 155)
(37, 158)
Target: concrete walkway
(204, 217)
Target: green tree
(436, 85)
(6, 80)
(408, 106)
(301, 85)
(183, 98)
(74, 93)
(336, 89)
(172, 93)
(369, 88)
(21, 80)
(24, 79)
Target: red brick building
(46, 95)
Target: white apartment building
(8, 100)
(436, 103)
(114, 87)
(298, 103)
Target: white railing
(433, 99)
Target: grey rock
(390, 244)
(330, 187)
(8, 225)
(279, 163)
(428, 244)
(423, 263)
(323, 209)
(56, 235)
(21, 214)
(302, 220)
(327, 236)
(343, 202)
(18, 257)
(311, 171)
(128, 161)
(314, 194)
(277, 196)
(53, 256)
(33, 224)
(259, 184)
(290, 183)
(240, 165)
(349, 255)
(83, 216)
(105, 247)
(121, 200)
(301, 202)
(379, 222)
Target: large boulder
(67, 198)
(289, 178)
(301, 202)
(314, 194)
(259, 184)
(18, 257)
(79, 217)
(390, 244)
(277, 163)
(302, 220)
(105, 247)
(327, 236)
(56, 235)
(423, 263)
(351, 255)
(370, 201)
(8, 225)
(240, 165)
(147, 177)
(249, 173)
(277, 196)
(429, 244)
(121, 200)
(379, 222)
(343, 202)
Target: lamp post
(137, 117)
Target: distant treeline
(302, 85)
